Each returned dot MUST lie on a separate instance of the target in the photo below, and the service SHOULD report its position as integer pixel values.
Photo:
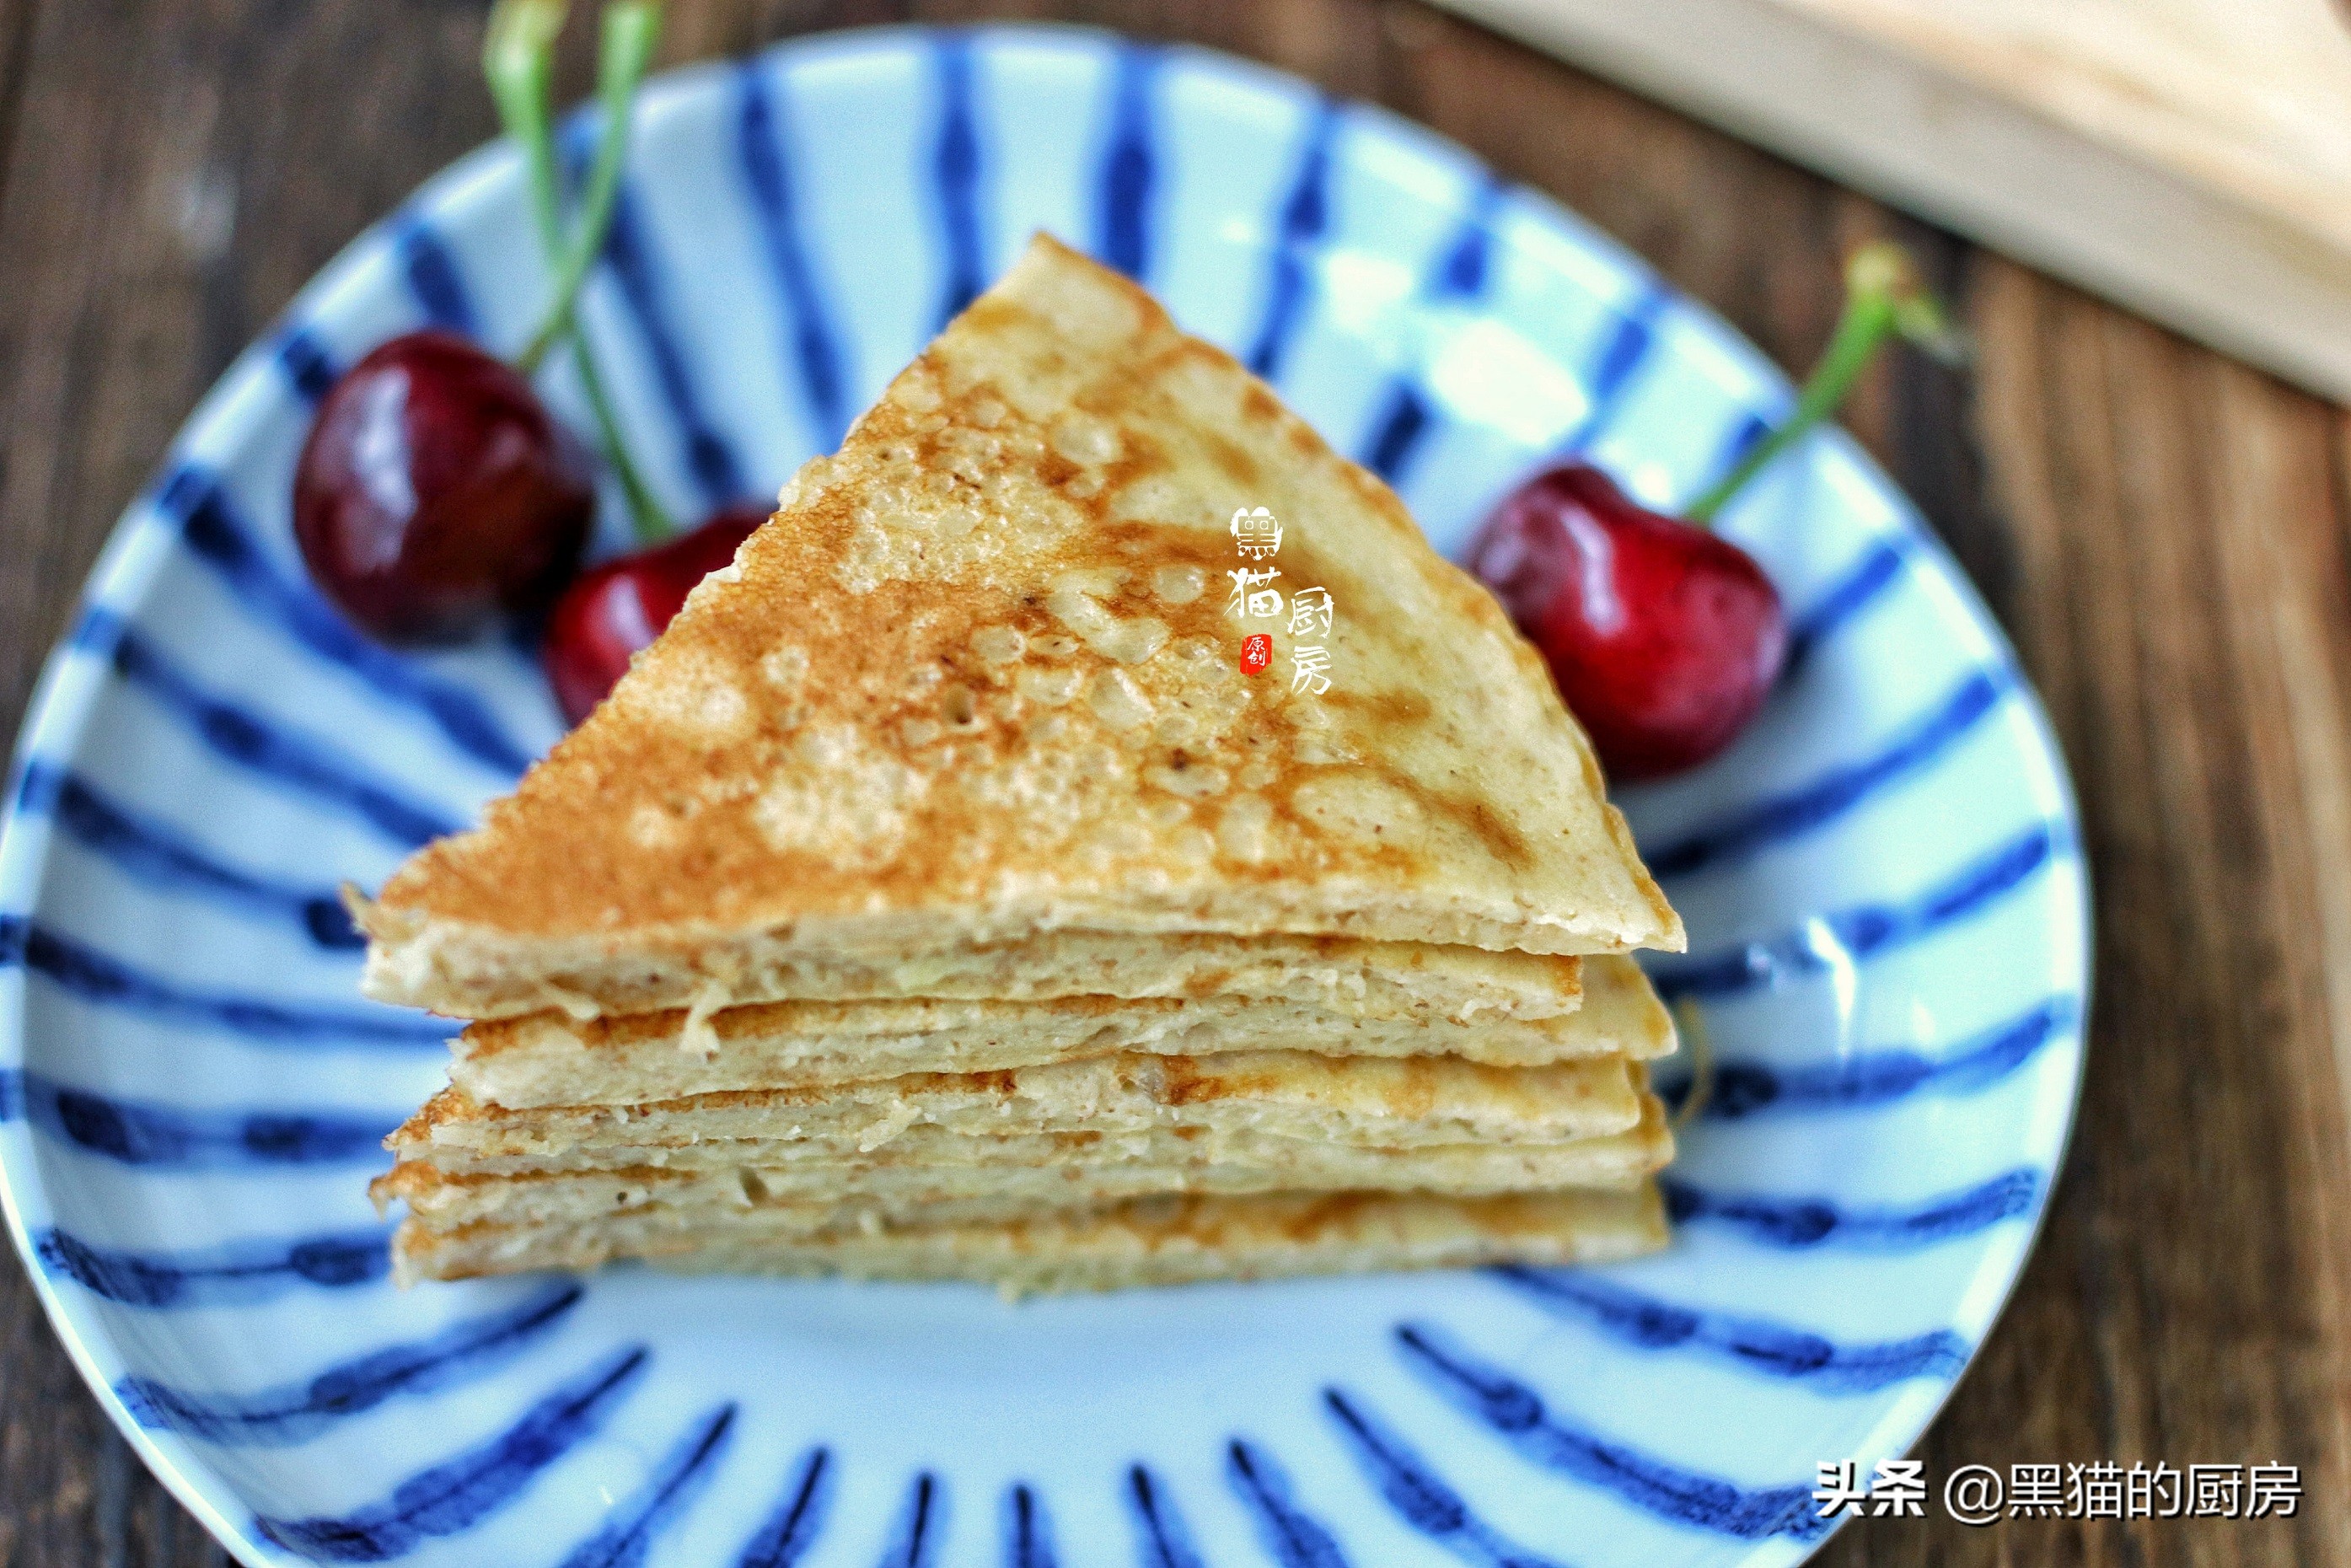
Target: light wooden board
(2190, 158)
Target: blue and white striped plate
(1883, 886)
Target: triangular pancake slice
(978, 679)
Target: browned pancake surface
(977, 677)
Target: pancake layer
(1146, 1241)
(551, 1059)
(1341, 974)
(740, 1177)
(1292, 1094)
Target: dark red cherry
(1665, 639)
(437, 491)
(615, 609)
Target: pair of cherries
(437, 493)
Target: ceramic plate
(1882, 883)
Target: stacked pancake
(943, 896)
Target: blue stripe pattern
(1397, 430)
(452, 1497)
(1161, 1538)
(433, 277)
(1751, 1345)
(236, 1274)
(463, 1353)
(793, 1527)
(1290, 1536)
(1027, 1533)
(309, 367)
(1846, 936)
(91, 975)
(299, 762)
(1398, 433)
(1408, 1484)
(1881, 566)
(1746, 1089)
(1122, 201)
(191, 496)
(1746, 433)
(1812, 806)
(814, 348)
(628, 1535)
(1610, 374)
(160, 858)
(915, 1540)
(644, 289)
(955, 175)
(1305, 218)
(1802, 1222)
(1517, 1414)
(149, 1136)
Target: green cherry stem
(1883, 298)
(518, 61)
(631, 27)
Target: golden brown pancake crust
(976, 679)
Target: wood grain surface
(2162, 531)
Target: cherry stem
(630, 30)
(517, 59)
(1883, 298)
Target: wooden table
(2162, 531)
